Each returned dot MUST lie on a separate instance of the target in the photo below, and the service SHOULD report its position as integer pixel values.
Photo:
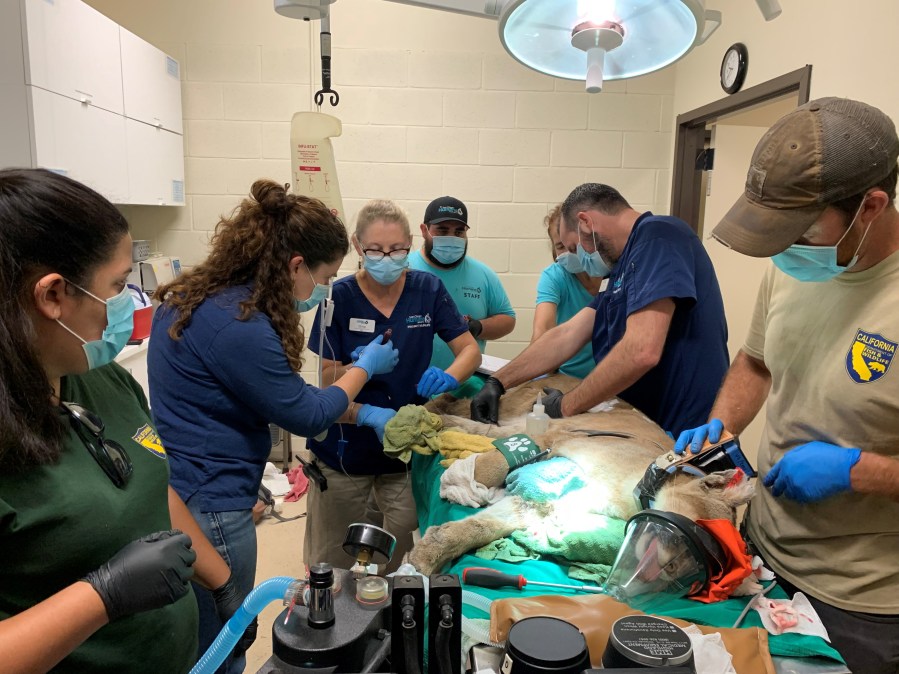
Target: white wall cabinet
(93, 101)
(155, 165)
(151, 83)
(73, 50)
(81, 141)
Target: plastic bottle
(537, 421)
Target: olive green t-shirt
(830, 349)
(61, 521)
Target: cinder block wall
(430, 105)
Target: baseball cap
(826, 150)
(446, 208)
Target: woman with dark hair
(225, 352)
(92, 570)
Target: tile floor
(280, 546)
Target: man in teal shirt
(474, 287)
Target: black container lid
(546, 642)
(651, 641)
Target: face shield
(663, 554)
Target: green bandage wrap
(517, 449)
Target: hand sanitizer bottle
(537, 421)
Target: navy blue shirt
(423, 310)
(664, 258)
(214, 392)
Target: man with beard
(657, 327)
(474, 287)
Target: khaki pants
(330, 513)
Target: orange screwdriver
(484, 577)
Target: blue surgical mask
(448, 249)
(319, 292)
(386, 270)
(815, 264)
(119, 326)
(592, 263)
(570, 263)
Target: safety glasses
(109, 454)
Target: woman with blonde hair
(383, 295)
(225, 352)
(564, 288)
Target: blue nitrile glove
(813, 471)
(695, 437)
(355, 353)
(378, 358)
(435, 381)
(552, 402)
(374, 417)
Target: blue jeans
(233, 534)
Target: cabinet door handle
(85, 97)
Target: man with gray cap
(819, 201)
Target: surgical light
(307, 10)
(591, 40)
(598, 40)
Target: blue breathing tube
(261, 596)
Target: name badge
(604, 284)
(362, 325)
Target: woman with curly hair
(225, 352)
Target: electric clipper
(723, 455)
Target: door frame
(691, 136)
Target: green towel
(412, 429)
(506, 550)
(588, 542)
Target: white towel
(710, 655)
(457, 485)
(276, 481)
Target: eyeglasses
(109, 454)
(375, 254)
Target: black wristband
(475, 327)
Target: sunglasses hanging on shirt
(108, 454)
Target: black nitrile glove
(475, 327)
(227, 600)
(146, 574)
(485, 405)
(552, 402)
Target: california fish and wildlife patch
(869, 357)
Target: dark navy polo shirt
(663, 258)
(423, 310)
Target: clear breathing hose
(473, 629)
(273, 589)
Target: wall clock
(733, 67)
